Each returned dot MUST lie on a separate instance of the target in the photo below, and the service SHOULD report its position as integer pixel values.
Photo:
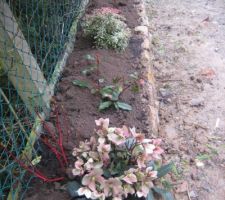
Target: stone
(145, 58)
(193, 194)
(165, 93)
(142, 30)
(146, 44)
(196, 102)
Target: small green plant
(118, 163)
(107, 29)
(110, 95)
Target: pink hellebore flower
(104, 150)
(93, 164)
(143, 191)
(149, 148)
(84, 191)
(126, 131)
(128, 189)
(123, 131)
(83, 147)
(141, 160)
(139, 137)
(102, 123)
(117, 198)
(113, 187)
(78, 170)
(157, 152)
(157, 141)
(90, 180)
(130, 178)
(150, 173)
(116, 137)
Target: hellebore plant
(118, 163)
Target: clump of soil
(81, 106)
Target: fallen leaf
(208, 73)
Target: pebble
(196, 102)
(165, 93)
(193, 194)
(141, 30)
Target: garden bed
(81, 106)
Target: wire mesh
(33, 39)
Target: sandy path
(189, 62)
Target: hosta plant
(116, 164)
(107, 29)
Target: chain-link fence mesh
(33, 39)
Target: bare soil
(81, 106)
(189, 62)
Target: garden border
(149, 89)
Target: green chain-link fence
(36, 37)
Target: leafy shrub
(117, 163)
(107, 29)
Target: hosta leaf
(104, 105)
(150, 195)
(124, 106)
(166, 195)
(162, 171)
(72, 188)
(82, 84)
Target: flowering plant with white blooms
(116, 163)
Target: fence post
(23, 70)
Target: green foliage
(107, 31)
(72, 188)
(163, 192)
(110, 97)
(203, 157)
(166, 195)
(82, 84)
(162, 171)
